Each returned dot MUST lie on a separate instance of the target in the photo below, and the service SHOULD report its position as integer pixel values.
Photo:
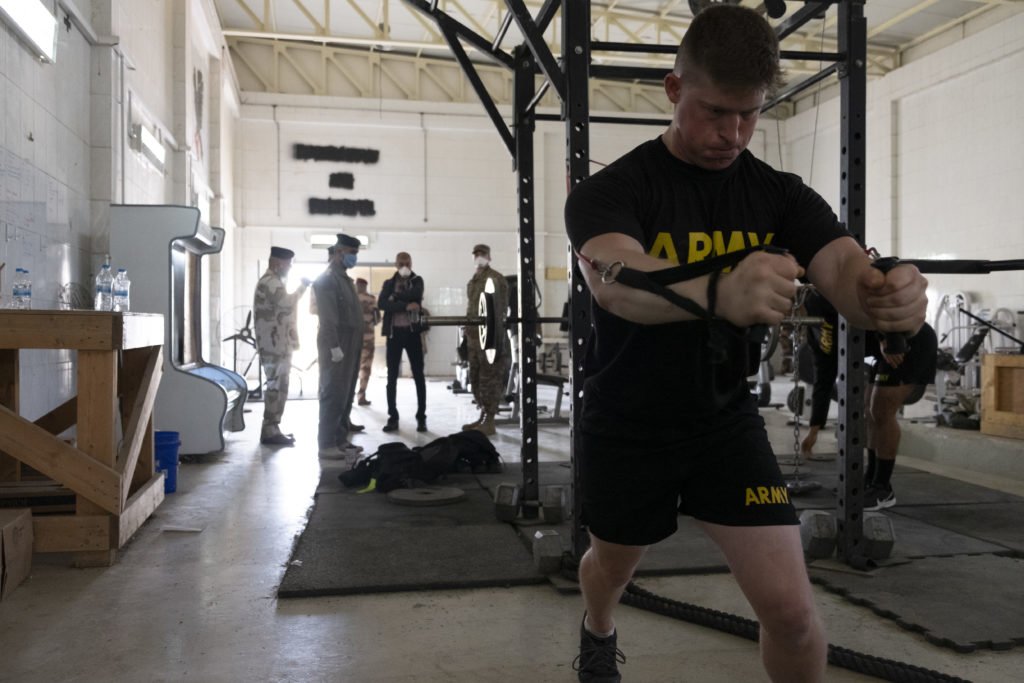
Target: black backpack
(395, 465)
(475, 453)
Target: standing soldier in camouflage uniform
(277, 336)
(487, 378)
(338, 341)
(371, 316)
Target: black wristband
(712, 292)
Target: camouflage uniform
(371, 316)
(488, 380)
(277, 336)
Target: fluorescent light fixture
(326, 239)
(322, 239)
(153, 145)
(34, 23)
(142, 140)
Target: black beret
(281, 252)
(347, 241)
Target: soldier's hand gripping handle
(894, 342)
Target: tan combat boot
(474, 425)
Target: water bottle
(119, 291)
(26, 291)
(104, 281)
(16, 289)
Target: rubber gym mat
(998, 523)
(362, 543)
(964, 602)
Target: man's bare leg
(768, 564)
(605, 571)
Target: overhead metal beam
(799, 87)
(445, 23)
(811, 10)
(535, 41)
(463, 32)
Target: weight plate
(795, 400)
(488, 328)
(427, 496)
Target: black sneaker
(421, 424)
(392, 425)
(599, 658)
(879, 497)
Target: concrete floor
(192, 596)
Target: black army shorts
(633, 491)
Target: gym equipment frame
(569, 78)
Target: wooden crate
(109, 468)
(1002, 395)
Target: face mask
(349, 260)
(481, 261)
(404, 271)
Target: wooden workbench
(109, 467)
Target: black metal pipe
(811, 10)
(628, 73)
(964, 266)
(800, 87)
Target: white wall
(444, 182)
(944, 163)
(44, 191)
(66, 155)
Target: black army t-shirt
(660, 379)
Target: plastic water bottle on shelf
(25, 301)
(104, 283)
(119, 291)
(16, 289)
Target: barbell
(486, 322)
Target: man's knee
(791, 621)
(615, 563)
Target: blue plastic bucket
(166, 447)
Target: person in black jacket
(401, 298)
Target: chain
(794, 335)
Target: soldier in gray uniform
(274, 320)
(338, 342)
(487, 377)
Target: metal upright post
(576, 112)
(852, 29)
(523, 128)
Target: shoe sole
(881, 505)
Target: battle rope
(879, 667)
(870, 665)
